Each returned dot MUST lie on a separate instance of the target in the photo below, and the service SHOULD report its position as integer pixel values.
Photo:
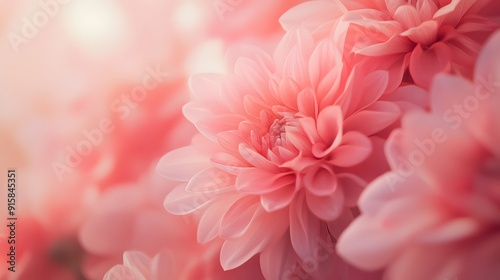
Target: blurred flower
(427, 36)
(166, 265)
(286, 146)
(138, 266)
(61, 80)
(132, 218)
(48, 219)
(235, 19)
(436, 215)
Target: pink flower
(427, 36)
(436, 215)
(286, 145)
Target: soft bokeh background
(91, 96)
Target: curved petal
(395, 45)
(279, 260)
(373, 242)
(181, 202)
(352, 187)
(327, 208)
(329, 128)
(424, 65)
(210, 180)
(373, 119)
(239, 217)
(122, 272)
(278, 199)
(321, 181)
(425, 33)
(182, 164)
(139, 262)
(408, 16)
(304, 228)
(210, 222)
(262, 232)
(354, 149)
(256, 159)
(258, 181)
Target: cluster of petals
(154, 243)
(436, 214)
(286, 145)
(426, 36)
(166, 265)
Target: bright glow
(208, 57)
(97, 26)
(189, 16)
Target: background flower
(426, 36)
(442, 195)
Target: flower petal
(258, 181)
(327, 208)
(373, 119)
(239, 217)
(260, 234)
(182, 164)
(354, 149)
(424, 65)
(304, 228)
(321, 181)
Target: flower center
(277, 133)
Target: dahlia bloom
(428, 36)
(436, 214)
(286, 145)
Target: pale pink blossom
(436, 215)
(131, 217)
(131, 220)
(427, 36)
(286, 145)
(202, 265)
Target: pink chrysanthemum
(286, 145)
(437, 214)
(428, 36)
